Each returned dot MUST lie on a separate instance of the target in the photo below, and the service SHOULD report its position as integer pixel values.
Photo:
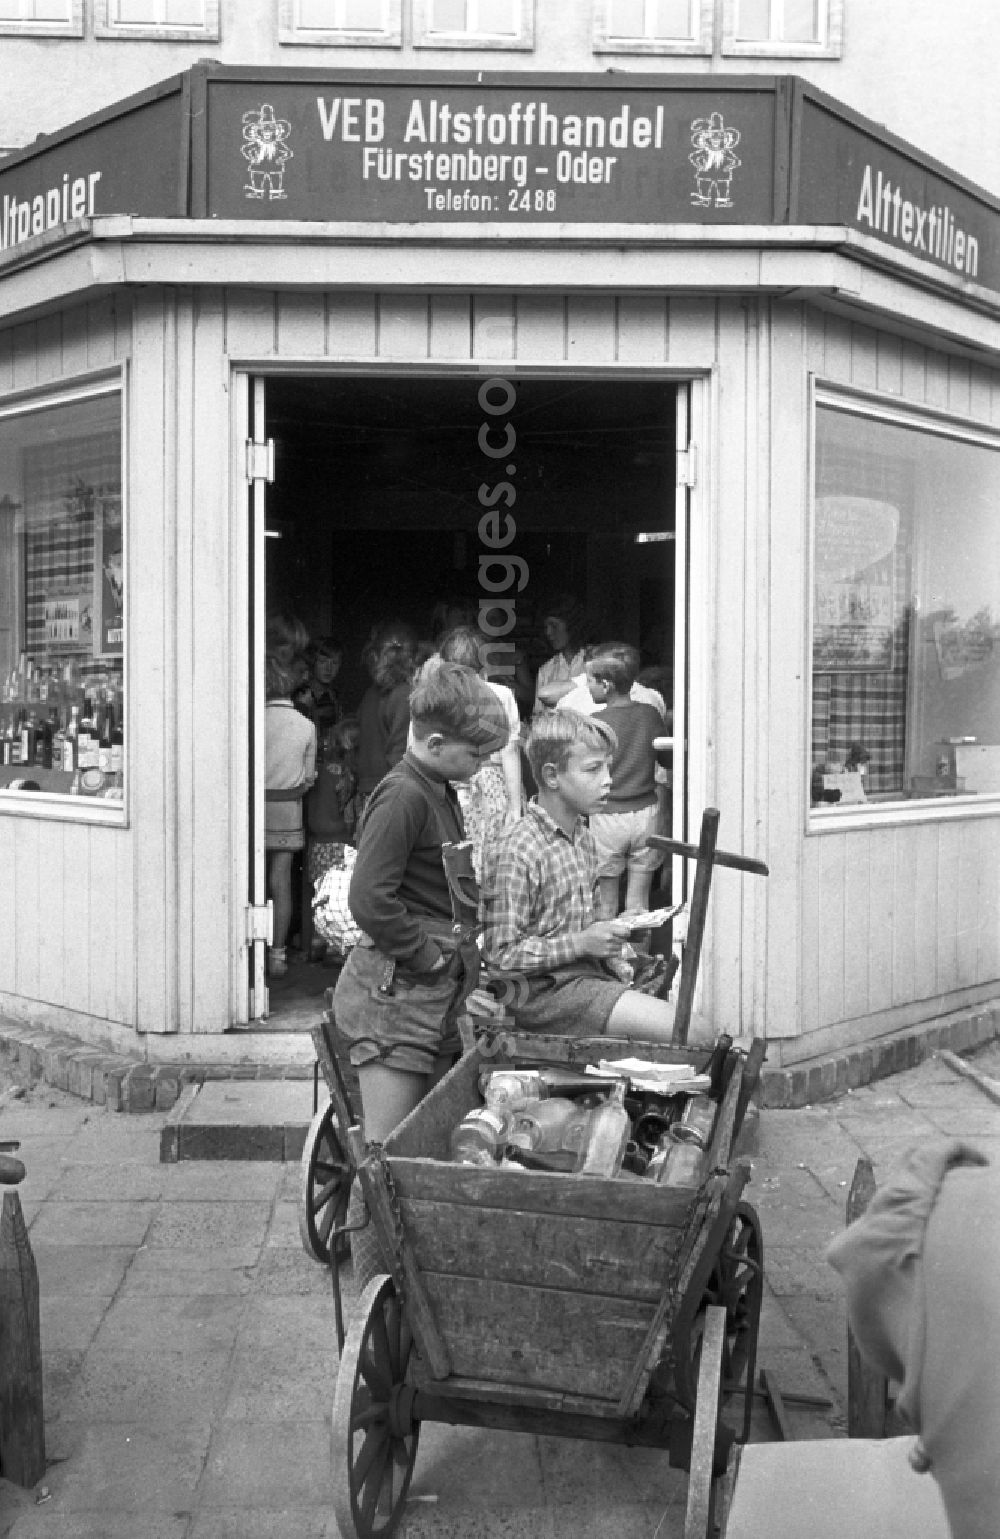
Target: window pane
(61, 599)
(449, 16)
(801, 21)
(754, 20)
(364, 16)
(320, 15)
(906, 633)
(136, 12)
(50, 10)
(184, 13)
(497, 18)
(672, 18)
(626, 18)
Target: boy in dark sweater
(394, 998)
(636, 805)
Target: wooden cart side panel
(586, 1344)
(536, 1191)
(598, 1256)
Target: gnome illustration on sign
(713, 161)
(265, 149)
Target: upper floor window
(179, 20)
(784, 28)
(653, 26)
(358, 23)
(63, 18)
(473, 24)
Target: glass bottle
(71, 742)
(479, 1138)
(104, 738)
(543, 1126)
(604, 1148)
(117, 745)
(510, 1089)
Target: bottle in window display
(104, 737)
(71, 742)
(29, 738)
(117, 745)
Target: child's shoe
(277, 962)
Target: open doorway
(379, 487)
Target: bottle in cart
(510, 1089)
(480, 1137)
(610, 1129)
(546, 1125)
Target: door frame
(250, 427)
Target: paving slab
(239, 1120)
(190, 1356)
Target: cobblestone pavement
(190, 1354)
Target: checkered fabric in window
(61, 481)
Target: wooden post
(22, 1429)
(867, 1390)
(696, 924)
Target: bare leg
(387, 1096)
(640, 885)
(279, 885)
(642, 1017)
(607, 896)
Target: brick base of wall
(820, 1079)
(132, 1085)
(113, 1079)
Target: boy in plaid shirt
(542, 938)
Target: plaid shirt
(537, 894)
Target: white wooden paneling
(67, 914)
(404, 327)
(352, 325)
(451, 327)
(541, 328)
(642, 328)
(493, 327)
(591, 329)
(301, 324)
(921, 900)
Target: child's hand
(603, 939)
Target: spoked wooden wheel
(325, 1186)
(736, 1284)
(374, 1431)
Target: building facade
(392, 310)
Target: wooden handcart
(539, 1302)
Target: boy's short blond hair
(452, 699)
(555, 733)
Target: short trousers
(621, 841)
(284, 839)
(407, 1029)
(573, 1001)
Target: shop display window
(653, 26)
(62, 18)
(905, 641)
(170, 19)
(473, 23)
(783, 28)
(62, 589)
(341, 22)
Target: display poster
(854, 598)
(109, 579)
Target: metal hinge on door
(687, 465)
(260, 461)
(260, 922)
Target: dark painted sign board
(847, 172)
(514, 150)
(538, 151)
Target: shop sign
(534, 152)
(847, 175)
(129, 162)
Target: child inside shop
(290, 769)
(552, 959)
(492, 798)
(395, 999)
(316, 696)
(332, 809)
(637, 802)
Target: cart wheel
(325, 1186)
(736, 1283)
(375, 1434)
